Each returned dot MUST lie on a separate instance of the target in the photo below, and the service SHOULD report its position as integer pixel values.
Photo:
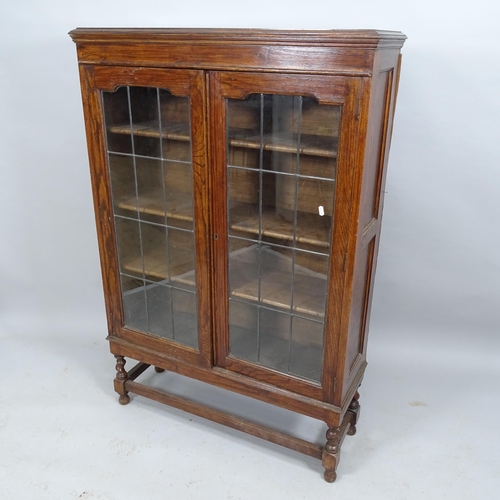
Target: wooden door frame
(180, 82)
(336, 90)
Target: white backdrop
(439, 264)
(438, 278)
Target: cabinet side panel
(92, 108)
(381, 112)
(377, 141)
(361, 296)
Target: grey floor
(429, 427)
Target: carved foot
(120, 379)
(331, 453)
(159, 370)
(124, 399)
(330, 475)
(354, 410)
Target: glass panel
(185, 320)
(175, 131)
(150, 193)
(134, 302)
(154, 251)
(306, 355)
(281, 154)
(117, 112)
(149, 157)
(145, 121)
(243, 269)
(159, 306)
(243, 330)
(123, 185)
(309, 284)
(276, 274)
(182, 259)
(274, 339)
(179, 194)
(129, 246)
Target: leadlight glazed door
(283, 163)
(151, 187)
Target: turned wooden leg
(331, 453)
(159, 370)
(120, 379)
(354, 410)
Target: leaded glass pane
(149, 156)
(281, 168)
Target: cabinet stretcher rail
(201, 410)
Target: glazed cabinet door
(283, 160)
(150, 188)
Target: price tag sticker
(321, 210)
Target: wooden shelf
(157, 261)
(309, 286)
(310, 229)
(178, 132)
(313, 145)
(275, 285)
(179, 207)
(156, 268)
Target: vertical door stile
(341, 254)
(201, 175)
(219, 218)
(92, 107)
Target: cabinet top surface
(367, 38)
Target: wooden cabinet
(238, 181)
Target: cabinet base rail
(329, 454)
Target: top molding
(338, 52)
(363, 38)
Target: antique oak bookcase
(238, 180)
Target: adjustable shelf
(312, 230)
(178, 132)
(156, 268)
(179, 206)
(305, 296)
(313, 145)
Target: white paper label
(321, 210)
